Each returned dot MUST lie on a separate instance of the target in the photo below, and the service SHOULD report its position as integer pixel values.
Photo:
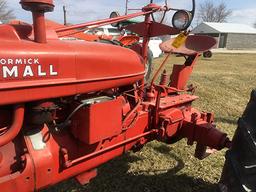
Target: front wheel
(239, 172)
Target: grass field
(224, 84)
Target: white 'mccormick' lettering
(18, 61)
(3, 61)
(28, 71)
(36, 61)
(10, 73)
(40, 72)
(52, 72)
(30, 61)
(10, 62)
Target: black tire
(239, 172)
(207, 54)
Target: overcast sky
(244, 11)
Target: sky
(79, 11)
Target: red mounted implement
(67, 107)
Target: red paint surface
(52, 77)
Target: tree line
(6, 13)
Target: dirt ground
(224, 84)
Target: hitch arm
(200, 129)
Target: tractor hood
(34, 71)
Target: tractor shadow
(114, 177)
(232, 121)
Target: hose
(14, 129)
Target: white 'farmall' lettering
(40, 72)
(52, 72)
(13, 72)
(25, 68)
(28, 71)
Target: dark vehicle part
(207, 54)
(239, 172)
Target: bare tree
(209, 12)
(6, 14)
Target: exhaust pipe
(38, 9)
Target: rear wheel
(207, 54)
(239, 172)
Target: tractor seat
(194, 44)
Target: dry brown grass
(224, 84)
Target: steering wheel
(167, 8)
(163, 14)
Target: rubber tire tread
(239, 172)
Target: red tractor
(67, 107)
